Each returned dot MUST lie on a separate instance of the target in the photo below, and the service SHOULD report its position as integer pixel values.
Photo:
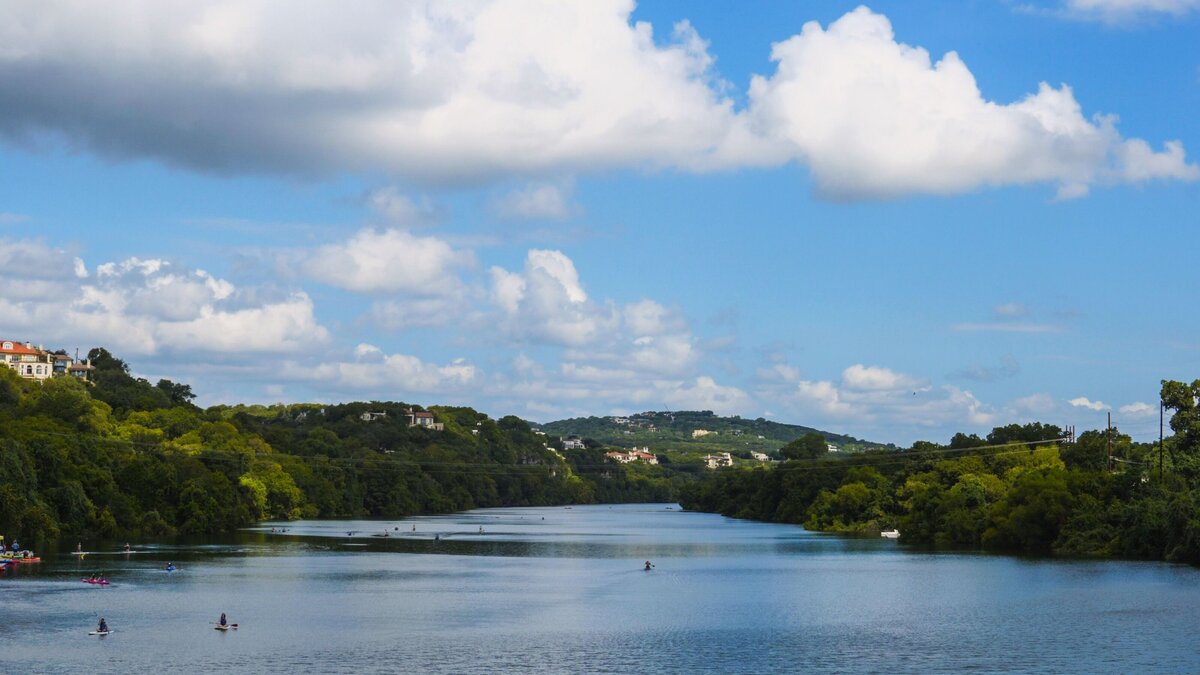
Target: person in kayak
(103, 627)
(127, 549)
(93, 579)
(170, 567)
(649, 566)
(223, 623)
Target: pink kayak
(102, 582)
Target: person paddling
(170, 567)
(223, 623)
(103, 627)
(649, 566)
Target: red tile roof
(14, 347)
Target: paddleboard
(97, 632)
(232, 625)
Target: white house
(30, 362)
(420, 418)
(718, 460)
(573, 443)
(701, 433)
(760, 456)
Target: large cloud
(874, 118)
(390, 260)
(149, 306)
(443, 90)
(438, 90)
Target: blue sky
(878, 221)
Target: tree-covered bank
(1020, 489)
(123, 457)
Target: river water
(563, 590)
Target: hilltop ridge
(677, 430)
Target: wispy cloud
(1007, 327)
(1084, 402)
(1008, 367)
(1010, 310)
(1139, 409)
(1126, 12)
(8, 218)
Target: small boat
(96, 582)
(890, 534)
(101, 632)
(31, 559)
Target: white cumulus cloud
(1084, 402)
(874, 117)
(456, 91)
(389, 260)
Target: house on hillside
(831, 447)
(721, 459)
(760, 456)
(369, 416)
(635, 455)
(573, 443)
(423, 419)
(30, 362)
(701, 433)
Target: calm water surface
(563, 590)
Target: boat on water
(890, 534)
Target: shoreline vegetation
(1022, 489)
(122, 458)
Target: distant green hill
(675, 431)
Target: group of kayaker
(15, 553)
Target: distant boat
(890, 534)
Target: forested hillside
(122, 457)
(674, 431)
(1019, 489)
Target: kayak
(101, 632)
(103, 582)
(232, 625)
(27, 560)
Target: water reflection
(568, 594)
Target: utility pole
(1108, 435)
(1160, 440)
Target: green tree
(809, 446)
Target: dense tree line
(1102, 495)
(123, 457)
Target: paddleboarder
(103, 627)
(223, 623)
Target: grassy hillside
(672, 433)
